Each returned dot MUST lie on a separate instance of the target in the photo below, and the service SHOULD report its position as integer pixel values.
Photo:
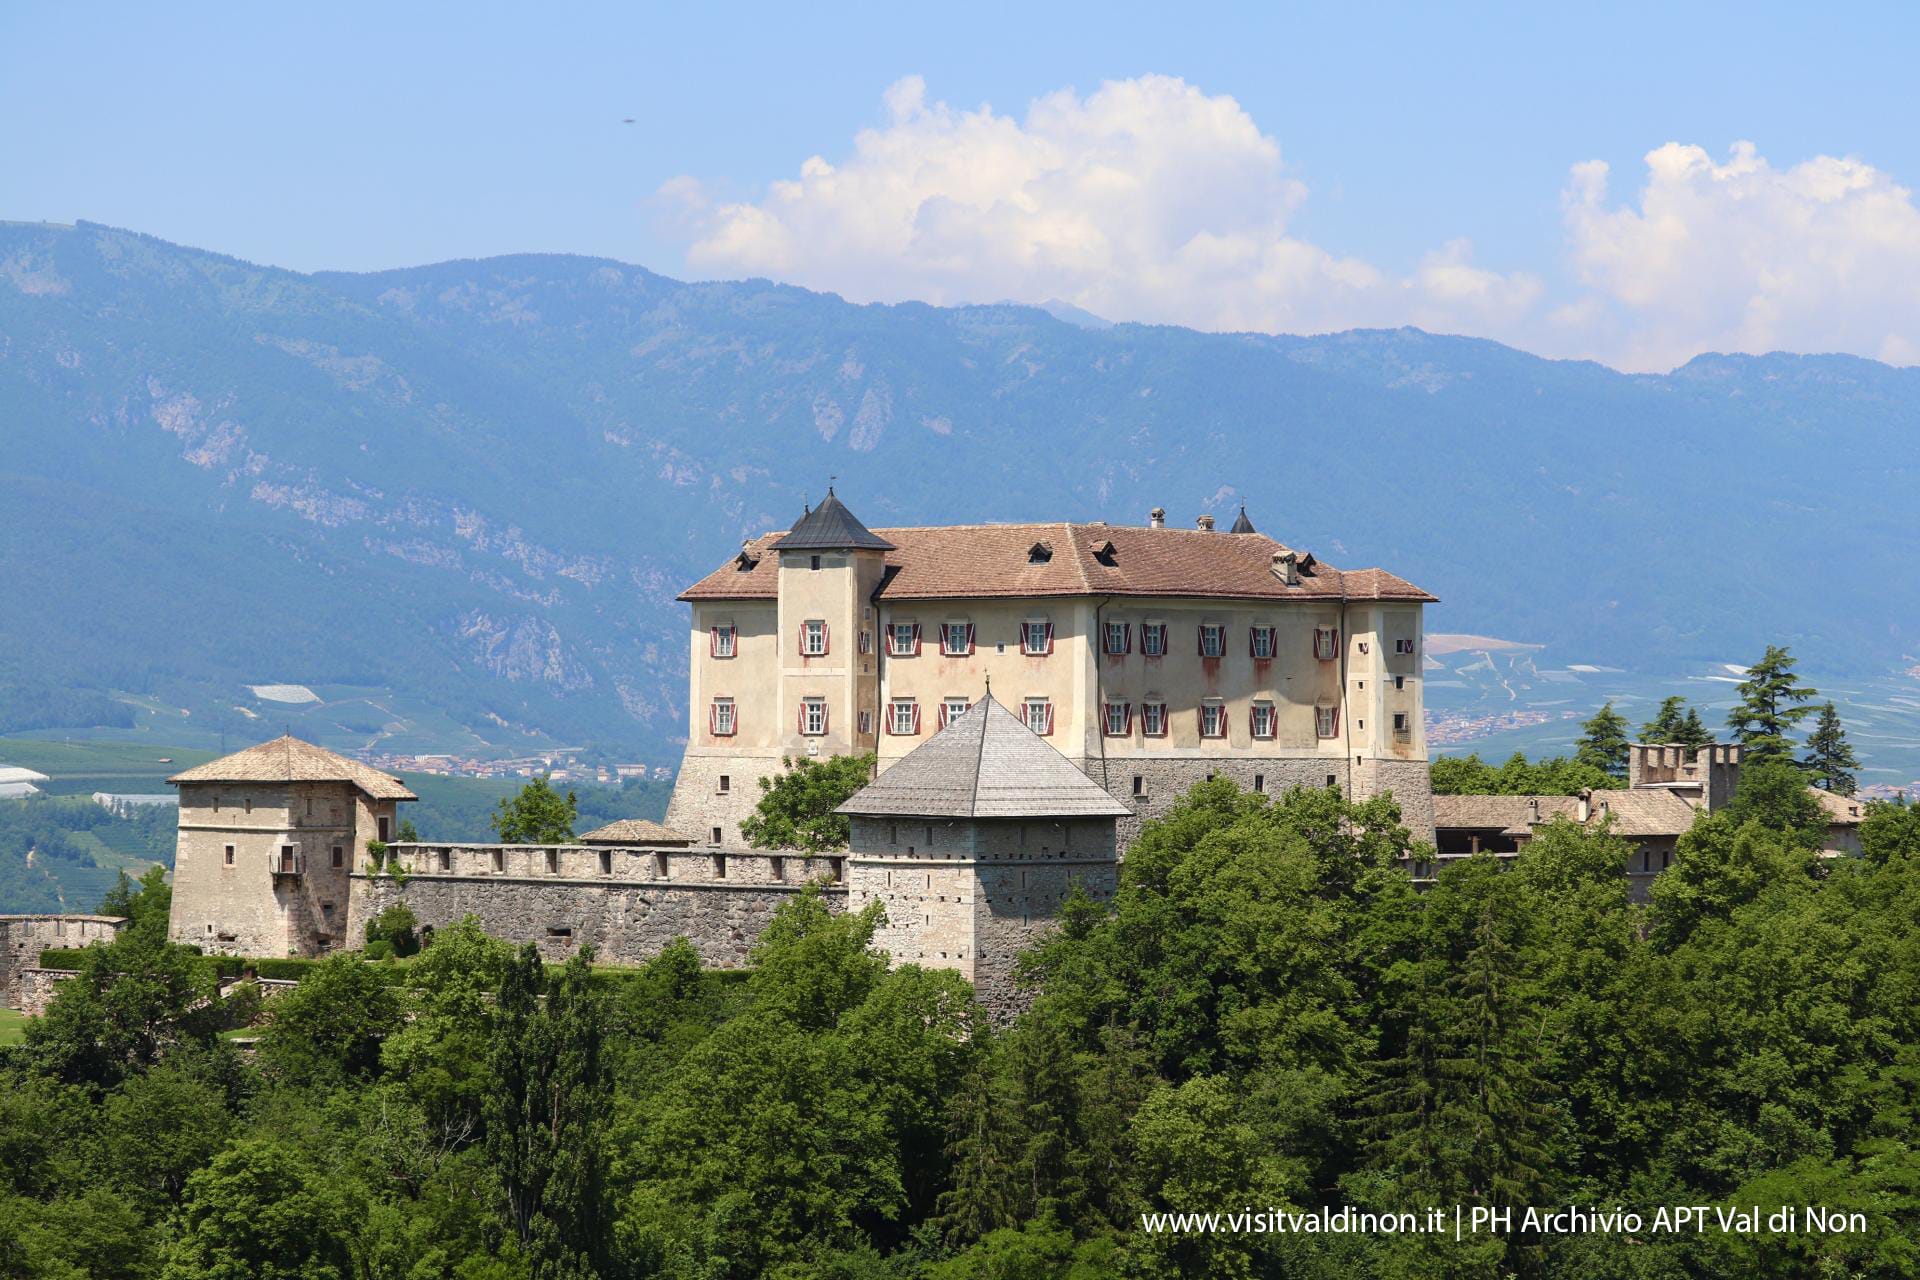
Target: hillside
(456, 501)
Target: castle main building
(1152, 658)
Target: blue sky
(1382, 165)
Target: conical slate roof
(984, 764)
(830, 526)
(1243, 525)
(288, 759)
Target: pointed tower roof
(985, 764)
(1243, 525)
(830, 526)
(288, 759)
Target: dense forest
(1269, 1014)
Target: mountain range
(448, 507)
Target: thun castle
(1032, 693)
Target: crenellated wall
(626, 902)
(24, 937)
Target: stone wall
(24, 937)
(36, 988)
(1411, 784)
(614, 899)
(1162, 782)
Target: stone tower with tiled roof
(1150, 657)
(972, 842)
(268, 841)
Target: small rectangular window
(1263, 719)
(956, 639)
(553, 862)
(499, 861)
(814, 562)
(1118, 637)
(903, 717)
(446, 859)
(559, 931)
(1259, 782)
(1153, 719)
(1326, 643)
(726, 783)
(838, 868)
(713, 835)
(952, 709)
(1401, 725)
(1119, 719)
(606, 862)
(1326, 721)
(721, 642)
(903, 639)
(1403, 645)
(1213, 640)
(229, 855)
(813, 717)
(1399, 682)
(1038, 714)
(866, 723)
(1213, 720)
(249, 803)
(660, 866)
(866, 640)
(719, 866)
(1036, 638)
(813, 638)
(339, 856)
(777, 866)
(1139, 784)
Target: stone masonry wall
(1163, 782)
(627, 914)
(24, 937)
(37, 987)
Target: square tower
(972, 842)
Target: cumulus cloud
(1151, 200)
(1741, 256)
(1144, 200)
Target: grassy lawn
(13, 1026)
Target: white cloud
(1823, 256)
(1145, 200)
(1151, 200)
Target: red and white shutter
(801, 725)
(1129, 729)
(824, 644)
(823, 717)
(1046, 712)
(1222, 722)
(1049, 648)
(916, 712)
(713, 719)
(916, 639)
(803, 639)
(969, 639)
(1200, 640)
(713, 642)
(1126, 646)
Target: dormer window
(1103, 551)
(1039, 553)
(744, 563)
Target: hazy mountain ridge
(482, 482)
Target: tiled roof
(634, 831)
(980, 561)
(1639, 812)
(830, 525)
(1842, 811)
(288, 759)
(984, 764)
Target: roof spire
(830, 526)
(1243, 525)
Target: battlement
(1706, 777)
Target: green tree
(255, 1213)
(398, 927)
(547, 1114)
(1603, 742)
(1830, 761)
(130, 1001)
(536, 814)
(1771, 706)
(1675, 722)
(145, 903)
(796, 809)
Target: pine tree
(1771, 699)
(1671, 724)
(1830, 759)
(1603, 742)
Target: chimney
(1205, 523)
(1534, 804)
(1157, 518)
(1584, 811)
(1286, 567)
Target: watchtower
(973, 841)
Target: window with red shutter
(916, 639)
(916, 717)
